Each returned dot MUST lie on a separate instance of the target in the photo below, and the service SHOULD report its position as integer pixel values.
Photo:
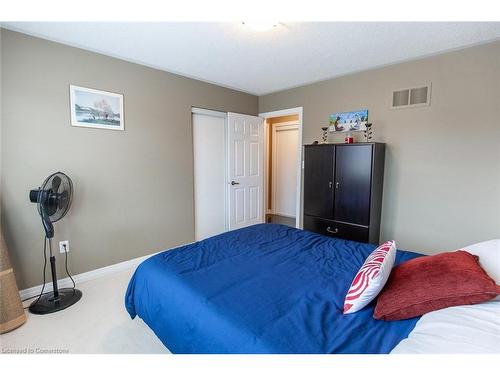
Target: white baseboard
(85, 276)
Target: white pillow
(489, 257)
(371, 277)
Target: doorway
(283, 160)
(228, 154)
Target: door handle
(330, 184)
(337, 184)
(332, 231)
(234, 183)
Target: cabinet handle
(337, 184)
(330, 184)
(334, 231)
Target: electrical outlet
(64, 246)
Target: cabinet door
(353, 167)
(318, 181)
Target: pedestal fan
(53, 200)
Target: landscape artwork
(96, 109)
(349, 121)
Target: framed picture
(92, 108)
(349, 121)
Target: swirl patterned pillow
(371, 277)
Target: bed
(461, 329)
(267, 288)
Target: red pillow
(430, 283)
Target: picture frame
(352, 121)
(92, 108)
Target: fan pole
(53, 269)
(47, 303)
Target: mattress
(262, 289)
(456, 330)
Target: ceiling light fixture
(260, 25)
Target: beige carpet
(98, 323)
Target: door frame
(284, 112)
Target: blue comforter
(262, 289)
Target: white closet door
(209, 152)
(245, 163)
(284, 184)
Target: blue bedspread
(262, 289)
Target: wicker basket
(12, 314)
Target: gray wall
(1, 117)
(133, 189)
(442, 180)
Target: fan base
(46, 304)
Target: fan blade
(50, 209)
(56, 182)
(63, 200)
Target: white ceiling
(260, 62)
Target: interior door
(318, 181)
(352, 183)
(245, 164)
(284, 169)
(209, 157)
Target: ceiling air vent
(411, 97)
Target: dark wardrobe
(343, 190)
